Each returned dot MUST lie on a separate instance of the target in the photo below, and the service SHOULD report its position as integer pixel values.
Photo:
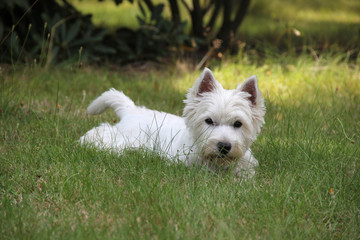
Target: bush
(48, 32)
(154, 39)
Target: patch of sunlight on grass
(318, 22)
(304, 81)
(339, 16)
(333, 11)
(109, 14)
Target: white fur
(188, 139)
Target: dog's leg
(245, 168)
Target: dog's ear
(251, 87)
(205, 83)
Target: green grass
(321, 25)
(306, 187)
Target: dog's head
(224, 123)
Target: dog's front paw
(243, 171)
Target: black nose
(224, 147)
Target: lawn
(306, 187)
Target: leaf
(2, 29)
(104, 49)
(51, 20)
(54, 54)
(73, 31)
(21, 3)
(139, 45)
(89, 38)
(62, 30)
(140, 20)
(157, 12)
(117, 2)
(142, 9)
(14, 43)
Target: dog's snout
(224, 147)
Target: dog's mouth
(221, 159)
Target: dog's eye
(209, 121)
(237, 124)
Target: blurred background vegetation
(123, 31)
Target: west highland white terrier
(216, 130)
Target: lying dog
(216, 130)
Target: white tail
(111, 99)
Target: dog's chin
(221, 159)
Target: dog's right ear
(205, 83)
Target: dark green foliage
(117, 2)
(52, 31)
(48, 31)
(152, 40)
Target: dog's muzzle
(224, 148)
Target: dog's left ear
(251, 87)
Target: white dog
(216, 130)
